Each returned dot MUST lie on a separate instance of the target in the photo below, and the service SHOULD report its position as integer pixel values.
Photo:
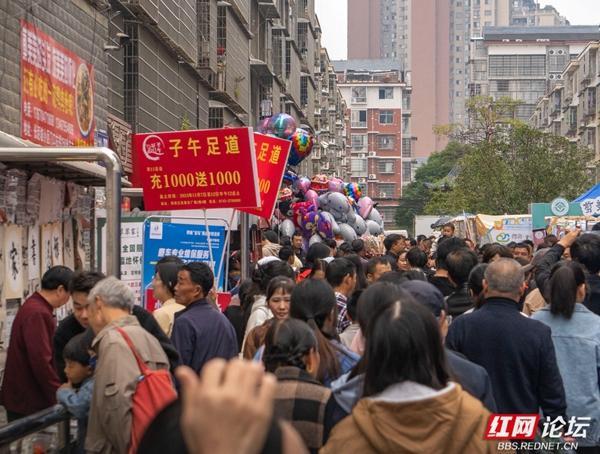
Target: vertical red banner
(271, 157)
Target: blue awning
(593, 193)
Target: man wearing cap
(473, 378)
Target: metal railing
(29, 425)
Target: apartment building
(570, 108)
(167, 65)
(523, 63)
(378, 129)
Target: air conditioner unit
(382, 194)
(559, 77)
(551, 76)
(560, 52)
(372, 176)
(362, 180)
(372, 154)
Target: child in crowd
(76, 394)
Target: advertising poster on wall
(57, 92)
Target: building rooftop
(380, 64)
(563, 32)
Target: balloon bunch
(284, 126)
(325, 208)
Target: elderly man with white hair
(117, 372)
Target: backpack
(153, 392)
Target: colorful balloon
(353, 191)
(335, 228)
(375, 216)
(336, 185)
(302, 144)
(312, 196)
(320, 184)
(282, 125)
(262, 126)
(365, 205)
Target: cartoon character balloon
(301, 185)
(365, 205)
(282, 125)
(373, 227)
(312, 197)
(320, 184)
(347, 232)
(302, 145)
(336, 185)
(335, 228)
(287, 228)
(360, 226)
(375, 216)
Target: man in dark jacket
(200, 332)
(473, 378)
(394, 246)
(30, 381)
(585, 249)
(516, 351)
(80, 286)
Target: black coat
(517, 353)
(473, 378)
(542, 278)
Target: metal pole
(245, 244)
(113, 187)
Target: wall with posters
(77, 28)
(43, 223)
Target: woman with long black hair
(313, 301)
(576, 339)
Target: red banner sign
(271, 158)
(186, 170)
(57, 92)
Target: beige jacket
(165, 315)
(109, 423)
(410, 418)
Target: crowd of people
(401, 345)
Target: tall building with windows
(523, 63)
(378, 129)
(570, 108)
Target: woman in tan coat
(409, 404)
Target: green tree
(185, 123)
(508, 172)
(429, 178)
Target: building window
(215, 117)
(386, 117)
(386, 142)
(517, 66)
(358, 119)
(221, 30)
(406, 147)
(359, 95)
(385, 166)
(488, 12)
(277, 53)
(358, 165)
(405, 125)
(386, 190)
(406, 171)
(359, 142)
(386, 93)
(204, 45)
(304, 91)
(130, 73)
(288, 59)
(405, 100)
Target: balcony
(269, 9)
